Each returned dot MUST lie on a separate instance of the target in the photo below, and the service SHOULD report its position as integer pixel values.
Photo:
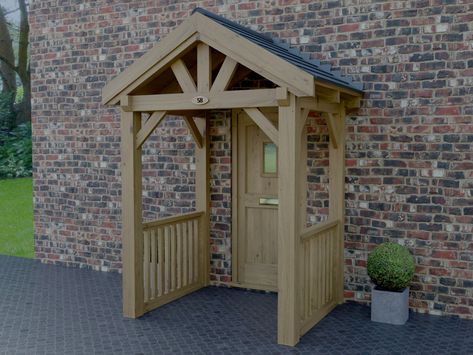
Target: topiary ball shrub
(391, 266)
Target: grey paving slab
(46, 309)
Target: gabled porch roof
(270, 58)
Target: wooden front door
(257, 205)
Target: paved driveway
(47, 309)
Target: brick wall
(409, 160)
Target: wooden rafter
(149, 127)
(204, 68)
(194, 130)
(225, 75)
(183, 76)
(353, 103)
(328, 94)
(263, 123)
(342, 89)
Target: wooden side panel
(172, 256)
(318, 260)
(321, 246)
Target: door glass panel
(270, 158)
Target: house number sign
(200, 100)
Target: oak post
(132, 235)
(289, 222)
(202, 194)
(303, 169)
(337, 196)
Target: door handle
(269, 201)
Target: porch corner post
(337, 197)
(202, 194)
(132, 232)
(289, 223)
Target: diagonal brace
(194, 131)
(224, 75)
(332, 125)
(149, 127)
(264, 123)
(183, 76)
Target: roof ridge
(219, 18)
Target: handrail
(172, 220)
(318, 228)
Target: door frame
(235, 201)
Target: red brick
(352, 27)
(444, 254)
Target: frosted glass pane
(270, 158)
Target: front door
(257, 205)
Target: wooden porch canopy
(205, 64)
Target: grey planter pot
(390, 307)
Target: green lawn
(16, 217)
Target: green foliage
(20, 92)
(391, 266)
(16, 217)
(7, 115)
(15, 152)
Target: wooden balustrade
(319, 250)
(173, 257)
